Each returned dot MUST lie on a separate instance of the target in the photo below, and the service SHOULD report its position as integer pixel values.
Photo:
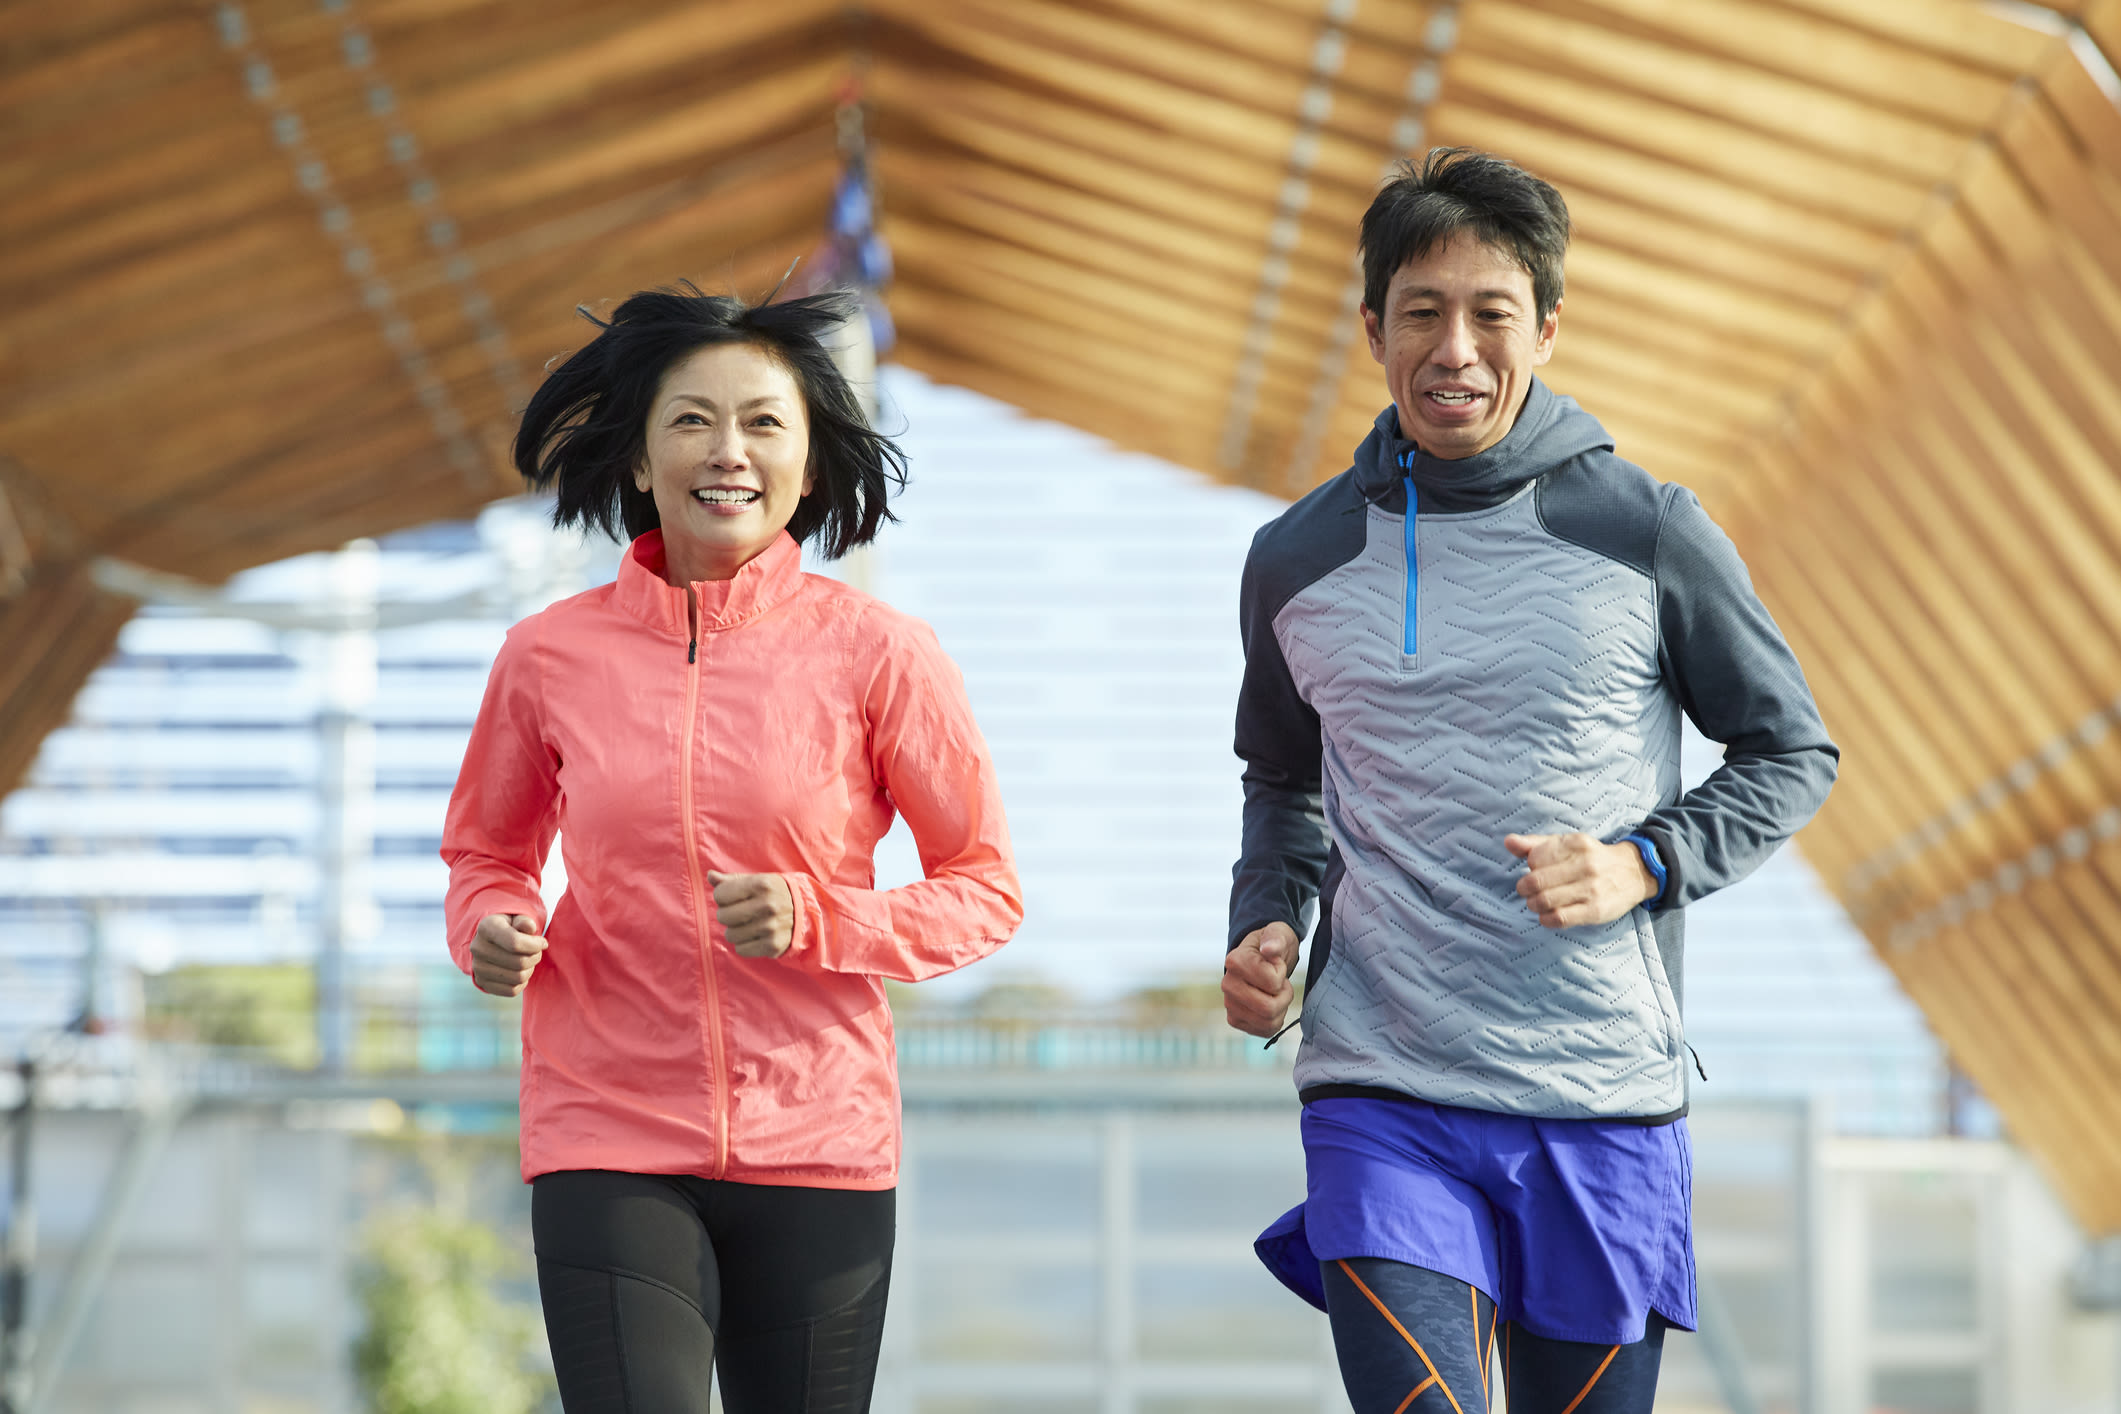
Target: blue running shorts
(1576, 1228)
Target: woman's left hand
(756, 911)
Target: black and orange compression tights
(651, 1282)
(1412, 1341)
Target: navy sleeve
(1282, 856)
(1738, 681)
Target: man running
(1465, 663)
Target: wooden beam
(1576, 160)
(2102, 23)
(701, 131)
(1826, 53)
(1235, 125)
(1599, 274)
(631, 51)
(1169, 57)
(993, 221)
(1789, 174)
(2005, 1013)
(1182, 206)
(1153, 239)
(1690, 247)
(1957, 690)
(1821, 119)
(927, 97)
(1869, 681)
(2010, 652)
(1605, 391)
(1965, 34)
(1125, 300)
(1274, 38)
(53, 633)
(1929, 687)
(84, 244)
(1737, 405)
(203, 103)
(1698, 345)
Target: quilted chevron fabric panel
(1532, 704)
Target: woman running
(709, 1096)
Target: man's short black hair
(1422, 205)
(586, 427)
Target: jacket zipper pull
(692, 651)
(1697, 1061)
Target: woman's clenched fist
(504, 951)
(756, 911)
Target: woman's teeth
(716, 496)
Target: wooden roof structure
(278, 273)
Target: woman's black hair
(586, 427)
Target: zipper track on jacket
(718, 1075)
(1413, 594)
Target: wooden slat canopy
(280, 272)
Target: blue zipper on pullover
(1413, 573)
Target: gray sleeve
(1282, 855)
(1738, 681)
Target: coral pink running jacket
(776, 739)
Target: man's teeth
(1453, 398)
(716, 496)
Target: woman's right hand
(503, 951)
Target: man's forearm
(1723, 829)
(1281, 861)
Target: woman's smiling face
(727, 458)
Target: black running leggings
(1413, 1341)
(650, 1281)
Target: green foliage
(440, 1339)
(263, 1008)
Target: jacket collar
(772, 576)
(1385, 459)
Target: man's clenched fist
(756, 911)
(1570, 880)
(503, 951)
(1256, 986)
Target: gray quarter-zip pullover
(1440, 653)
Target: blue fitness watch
(1651, 861)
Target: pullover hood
(1550, 430)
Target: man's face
(1458, 338)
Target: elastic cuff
(1238, 935)
(804, 931)
(1653, 862)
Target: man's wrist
(1239, 934)
(1652, 866)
